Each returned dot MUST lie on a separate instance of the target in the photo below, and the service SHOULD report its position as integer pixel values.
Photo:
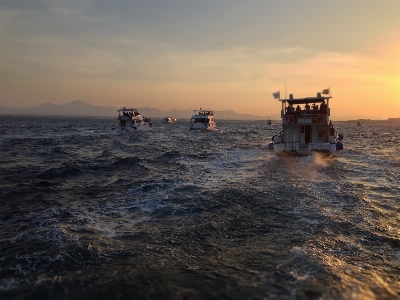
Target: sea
(88, 211)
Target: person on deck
(298, 109)
(323, 108)
(307, 108)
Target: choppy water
(88, 212)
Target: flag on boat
(277, 95)
(325, 92)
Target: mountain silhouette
(82, 109)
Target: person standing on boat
(307, 108)
(289, 110)
(298, 110)
(323, 108)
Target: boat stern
(322, 147)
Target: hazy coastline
(82, 109)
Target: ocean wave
(94, 210)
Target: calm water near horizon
(90, 212)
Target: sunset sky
(220, 55)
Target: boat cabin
(130, 118)
(306, 126)
(203, 120)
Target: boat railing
(203, 112)
(305, 117)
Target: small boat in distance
(360, 124)
(306, 129)
(131, 119)
(203, 120)
(169, 120)
(269, 122)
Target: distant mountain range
(83, 109)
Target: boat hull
(203, 128)
(304, 150)
(143, 127)
(133, 126)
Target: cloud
(197, 48)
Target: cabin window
(301, 129)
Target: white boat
(203, 120)
(169, 120)
(269, 122)
(306, 130)
(131, 119)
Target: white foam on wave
(46, 227)
(228, 166)
(123, 210)
(330, 198)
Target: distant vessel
(360, 124)
(203, 120)
(306, 129)
(131, 119)
(169, 120)
(269, 122)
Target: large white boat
(306, 129)
(131, 119)
(203, 120)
